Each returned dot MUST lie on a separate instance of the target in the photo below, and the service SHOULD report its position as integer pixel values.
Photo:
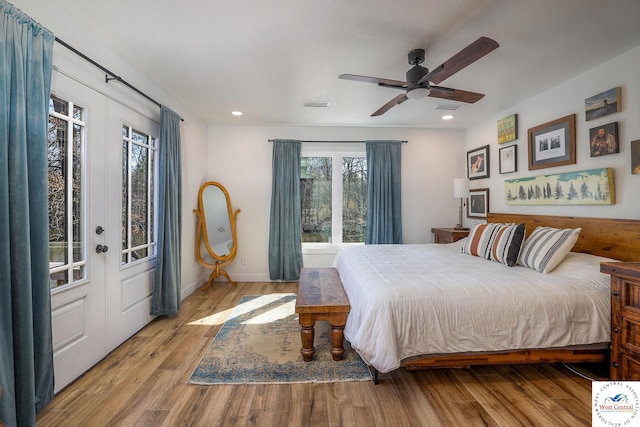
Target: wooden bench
(321, 297)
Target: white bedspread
(410, 300)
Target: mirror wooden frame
(202, 240)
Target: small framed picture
(478, 163)
(603, 140)
(602, 104)
(553, 144)
(509, 159)
(508, 129)
(635, 157)
(478, 205)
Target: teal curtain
(26, 350)
(285, 227)
(167, 285)
(384, 210)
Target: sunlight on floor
(280, 312)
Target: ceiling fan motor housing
(416, 73)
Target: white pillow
(546, 247)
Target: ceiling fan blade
(386, 107)
(455, 94)
(460, 60)
(398, 84)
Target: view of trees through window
(138, 154)
(354, 199)
(318, 185)
(65, 155)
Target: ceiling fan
(421, 82)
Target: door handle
(102, 249)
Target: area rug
(260, 343)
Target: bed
(431, 305)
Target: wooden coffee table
(321, 297)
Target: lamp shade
(460, 187)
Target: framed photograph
(478, 205)
(553, 144)
(602, 104)
(478, 163)
(509, 159)
(604, 140)
(508, 129)
(635, 157)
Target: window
(333, 190)
(138, 208)
(67, 258)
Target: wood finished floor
(144, 383)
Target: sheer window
(138, 185)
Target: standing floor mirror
(216, 242)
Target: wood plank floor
(144, 383)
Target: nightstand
(625, 319)
(448, 235)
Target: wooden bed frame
(613, 238)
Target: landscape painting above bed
(422, 306)
(587, 187)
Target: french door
(100, 293)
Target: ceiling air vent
(316, 104)
(448, 107)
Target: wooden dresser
(625, 319)
(448, 235)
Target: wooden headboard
(613, 238)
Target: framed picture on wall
(602, 104)
(478, 205)
(603, 140)
(478, 163)
(635, 157)
(509, 159)
(508, 129)
(553, 144)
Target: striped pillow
(479, 240)
(546, 247)
(495, 241)
(506, 244)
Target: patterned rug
(260, 343)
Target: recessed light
(447, 117)
(236, 113)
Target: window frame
(71, 266)
(336, 151)
(152, 197)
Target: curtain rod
(339, 142)
(108, 72)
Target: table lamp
(461, 191)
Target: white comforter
(410, 300)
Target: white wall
(560, 101)
(240, 159)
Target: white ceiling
(265, 57)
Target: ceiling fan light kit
(420, 83)
(418, 93)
